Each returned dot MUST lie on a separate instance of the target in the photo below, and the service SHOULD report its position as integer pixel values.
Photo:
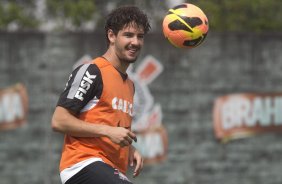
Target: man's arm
(65, 122)
(135, 158)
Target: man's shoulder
(101, 62)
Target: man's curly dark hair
(125, 15)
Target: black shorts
(98, 173)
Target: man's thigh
(100, 173)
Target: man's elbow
(55, 125)
(59, 119)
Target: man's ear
(111, 36)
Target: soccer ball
(185, 26)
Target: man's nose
(135, 40)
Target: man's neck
(115, 61)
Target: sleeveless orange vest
(115, 109)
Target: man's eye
(128, 35)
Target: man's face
(128, 43)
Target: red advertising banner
(13, 106)
(246, 114)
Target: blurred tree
(155, 9)
(75, 11)
(242, 15)
(15, 15)
(223, 15)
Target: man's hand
(135, 158)
(121, 136)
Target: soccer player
(95, 109)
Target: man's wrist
(105, 131)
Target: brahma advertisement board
(246, 114)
